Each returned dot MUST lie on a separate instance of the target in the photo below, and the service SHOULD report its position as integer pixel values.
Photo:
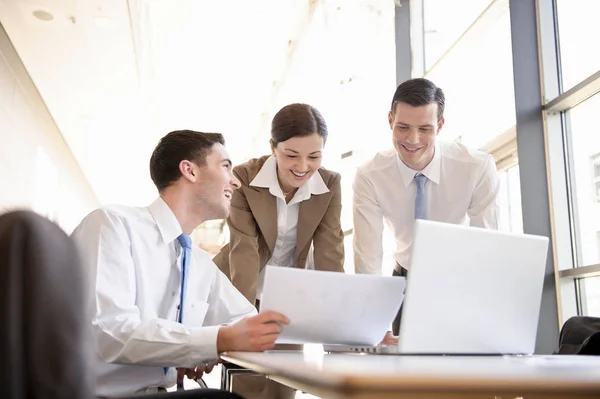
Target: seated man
(159, 303)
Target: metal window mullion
(536, 188)
(549, 49)
(582, 91)
(582, 307)
(571, 188)
(556, 153)
(581, 272)
(402, 31)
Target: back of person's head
(178, 146)
(297, 120)
(419, 92)
(44, 338)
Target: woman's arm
(328, 239)
(244, 262)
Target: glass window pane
(591, 288)
(476, 66)
(477, 78)
(584, 146)
(440, 31)
(511, 216)
(579, 33)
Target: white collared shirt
(284, 252)
(134, 261)
(462, 188)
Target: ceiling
(117, 75)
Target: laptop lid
(472, 291)
(332, 308)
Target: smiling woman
(286, 213)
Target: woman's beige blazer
(253, 229)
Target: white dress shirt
(134, 260)
(284, 252)
(462, 188)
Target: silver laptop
(470, 291)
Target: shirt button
(173, 293)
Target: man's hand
(252, 334)
(195, 373)
(389, 339)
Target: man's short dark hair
(175, 147)
(419, 92)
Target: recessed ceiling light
(43, 15)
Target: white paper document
(332, 308)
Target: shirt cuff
(204, 343)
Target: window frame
(556, 106)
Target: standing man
(159, 303)
(421, 178)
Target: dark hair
(178, 146)
(419, 92)
(297, 120)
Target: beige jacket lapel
(264, 209)
(309, 216)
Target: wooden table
(433, 377)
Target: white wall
(37, 169)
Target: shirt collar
(431, 171)
(267, 178)
(165, 219)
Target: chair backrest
(580, 335)
(44, 337)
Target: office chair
(44, 336)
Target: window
(478, 64)
(584, 145)
(511, 217)
(440, 31)
(578, 24)
(590, 291)
(596, 176)
(477, 78)
(570, 79)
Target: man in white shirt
(420, 178)
(158, 303)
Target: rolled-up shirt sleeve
(484, 208)
(368, 227)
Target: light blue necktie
(421, 198)
(186, 255)
(186, 246)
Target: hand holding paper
(332, 308)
